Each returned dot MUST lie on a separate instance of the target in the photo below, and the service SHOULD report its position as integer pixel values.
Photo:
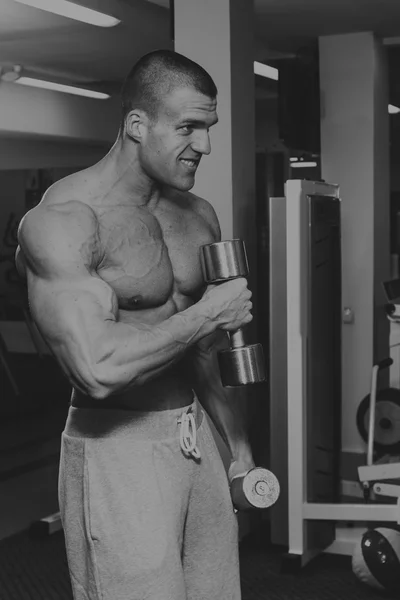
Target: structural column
(355, 154)
(218, 34)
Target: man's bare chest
(147, 257)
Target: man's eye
(187, 128)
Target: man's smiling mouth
(192, 164)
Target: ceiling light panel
(72, 11)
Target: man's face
(175, 143)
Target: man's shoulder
(57, 219)
(74, 189)
(203, 208)
(199, 202)
(52, 236)
(207, 211)
(68, 199)
(63, 211)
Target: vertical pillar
(355, 154)
(218, 34)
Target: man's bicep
(60, 305)
(62, 283)
(71, 317)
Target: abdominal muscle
(172, 389)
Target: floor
(32, 569)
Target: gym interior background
(324, 102)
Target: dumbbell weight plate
(242, 366)
(224, 260)
(258, 488)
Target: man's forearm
(151, 350)
(225, 409)
(122, 355)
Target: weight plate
(387, 420)
(261, 487)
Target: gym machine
(305, 367)
(373, 476)
(305, 379)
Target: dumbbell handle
(236, 338)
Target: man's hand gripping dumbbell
(240, 365)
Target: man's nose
(201, 142)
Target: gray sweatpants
(144, 518)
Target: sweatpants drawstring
(187, 435)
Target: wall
(355, 145)
(267, 133)
(395, 172)
(33, 153)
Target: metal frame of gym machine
(292, 517)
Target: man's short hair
(156, 75)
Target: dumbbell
(241, 364)
(257, 488)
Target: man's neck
(123, 177)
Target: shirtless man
(111, 257)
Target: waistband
(143, 425)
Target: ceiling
(63, 49)
(290, 22)
(287, 24)
(68, 51)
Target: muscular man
(111, 257)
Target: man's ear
(136, 124)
